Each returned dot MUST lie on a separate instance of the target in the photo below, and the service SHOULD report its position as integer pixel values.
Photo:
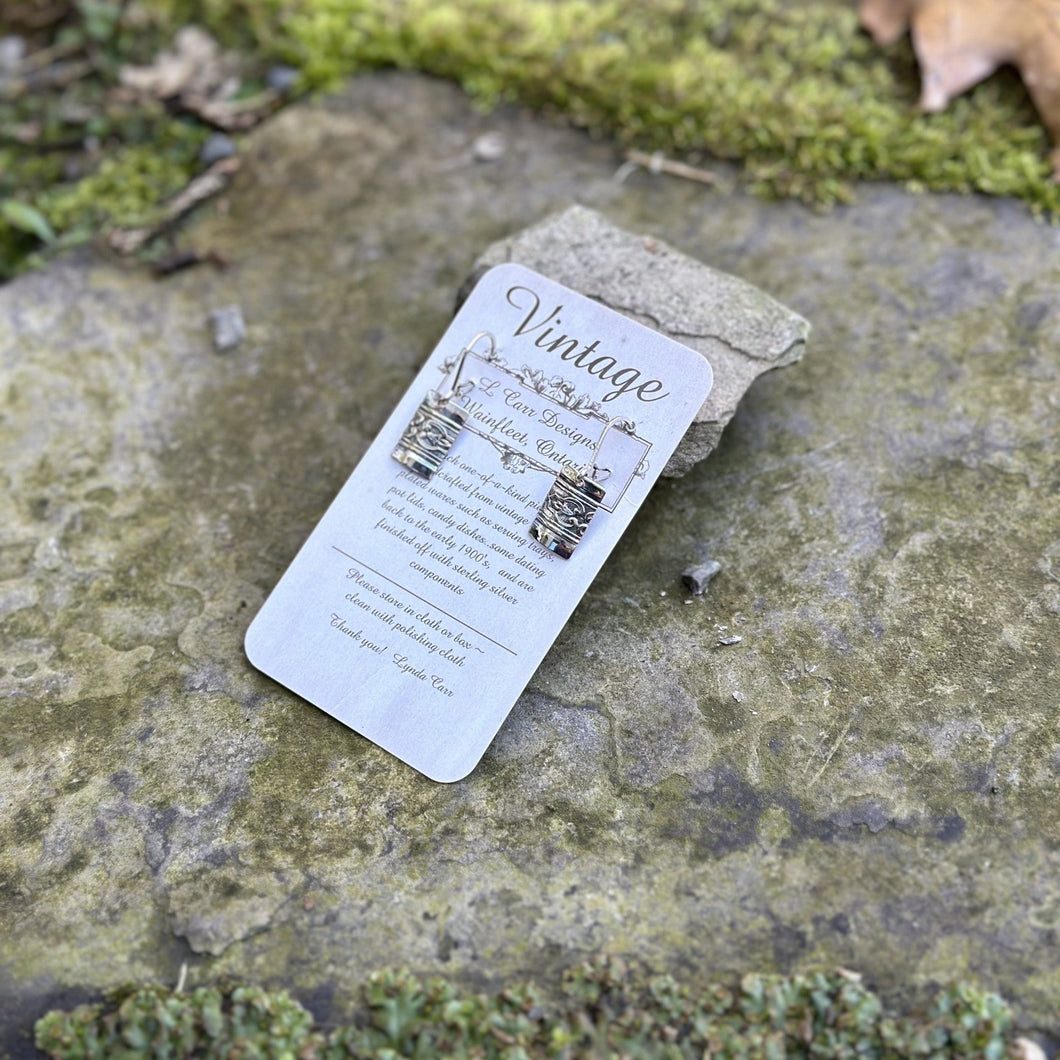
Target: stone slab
(737, 327)
(870, 777)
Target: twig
(203, 187)
(30, 16)
(234, 115)
(659, 163)
(45, 56)
(186, 259)
(59, 76)
(26, 135)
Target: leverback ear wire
(573, 500)
(454, 390)
(438, 421)
(591, 468)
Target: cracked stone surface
(869, 777)
(737, 327)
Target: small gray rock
(12, 52)
(282, 78)
(698, 577)
(217, 146)
(489, 147)
(229, 330)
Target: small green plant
(601, 1009)
(242, 1022)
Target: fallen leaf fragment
(958, 43)
(886, 20)
(201, 79)
(234, 115)
(194, 65)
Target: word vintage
(587, 357)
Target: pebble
(726, 641)
(228, 327)
(282, 78)
(489, 147)
(12, 52)
(698, 577)
(73, 168)
(217, 146)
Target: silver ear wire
(573, 500)
(454, 390)
(435, 425)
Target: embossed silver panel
(430, 435)
(566, 512)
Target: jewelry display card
(420, 605)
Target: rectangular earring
(573, 500)
(436, 424)
(566, 511)
(430, 435)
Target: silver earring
(437, 422)
(573, 500)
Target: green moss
(601, 1009)
(81, 156)
(796, 92)
(245, 1021)
(128, 188)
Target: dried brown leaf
(958, 43)
(886, 20)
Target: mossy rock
(866, 779)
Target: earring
(572, 501)
(435, 425)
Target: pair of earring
(438, 421)
(574, 497)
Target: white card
(417, 610)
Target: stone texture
(868, 778)
(738, 328)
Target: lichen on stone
(868, 779)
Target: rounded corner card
(425, 598)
